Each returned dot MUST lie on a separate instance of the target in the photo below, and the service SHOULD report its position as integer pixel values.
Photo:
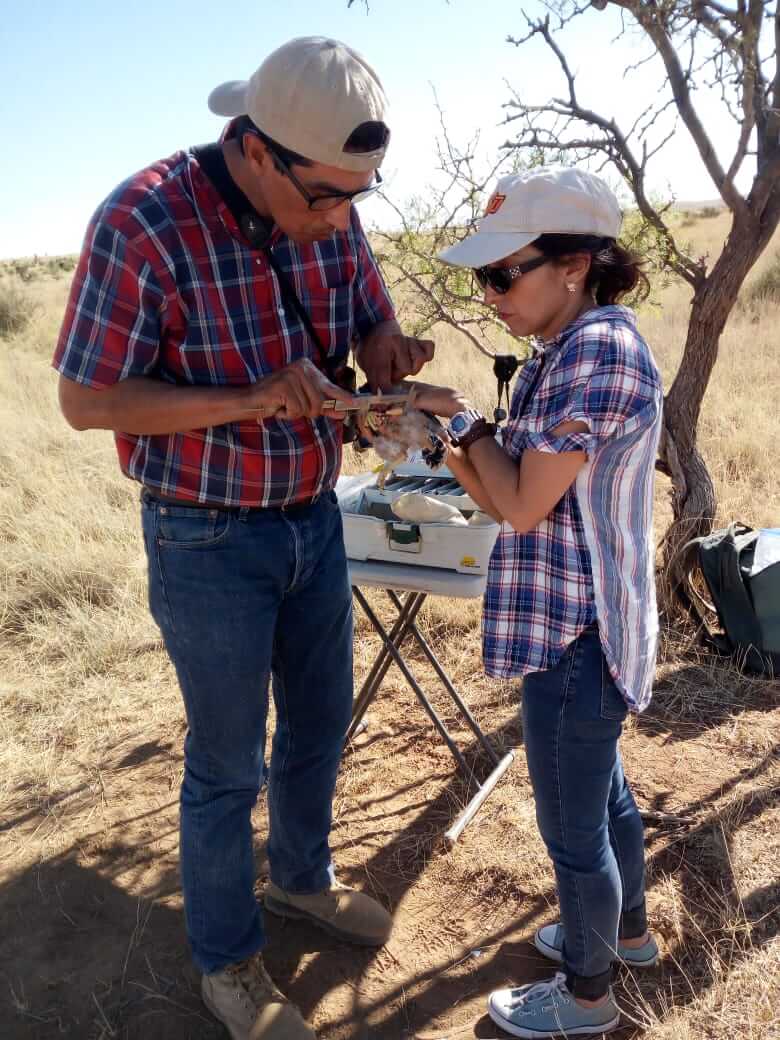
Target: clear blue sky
(93, 90)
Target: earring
(571, 287)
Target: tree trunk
(693, 493)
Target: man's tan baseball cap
(318, 98)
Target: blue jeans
(240, 597)
(572, 720)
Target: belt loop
(243, 514)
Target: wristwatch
(466, 427)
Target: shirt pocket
(332, 315)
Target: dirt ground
(93, 946)
(92, 942)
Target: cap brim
(486, 247)
(229, 99)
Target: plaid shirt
(591, 558)
(167, 287)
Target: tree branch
(650, 17)
(612, 142)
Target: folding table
(407, 587)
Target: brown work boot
(245, 1000)
(342, 911)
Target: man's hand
(387, 356)
(294, 392)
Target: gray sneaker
(545, 1009)
(245, 1000)
(549, 941)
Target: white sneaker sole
(540, 1034)
(552, 953)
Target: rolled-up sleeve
(112, 323)
(613, 397)
(552, 444)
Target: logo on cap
(495, 204)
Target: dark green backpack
(747, 605)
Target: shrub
(767, 285)
(16, 308)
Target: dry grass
(90, 760)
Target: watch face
(459, 424)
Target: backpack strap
(257, 230)
(719, 559)
(693, 604)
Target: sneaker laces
(549, 989)
(259, 985)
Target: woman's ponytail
(614, 270)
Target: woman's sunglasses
(500, 278)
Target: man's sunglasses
(500, 278)
(320, 203)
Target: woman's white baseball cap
(547, 200)
(311, 96)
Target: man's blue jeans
(572, 719)
(241, 597)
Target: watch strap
(481, 428)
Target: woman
(570, 598)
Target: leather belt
(157, 496)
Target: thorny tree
(701, 48)
(702, 44)
(426, 291)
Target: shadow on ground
(93, 943)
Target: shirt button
(280, 311)
(258, 260)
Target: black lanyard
(529, 390)
(257, 231)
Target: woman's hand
(439, 400)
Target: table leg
(404, 625)
(470, 811)
(398, 633)
(419, 693)
(447, 684)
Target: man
(184, 336)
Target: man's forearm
(140, 405)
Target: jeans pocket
(613, 705)
(179, 527)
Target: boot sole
(554, 954)
(294, 913)
(539, 1034)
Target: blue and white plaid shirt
(591, 559)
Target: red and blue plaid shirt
(592, 558)
(167, 287)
